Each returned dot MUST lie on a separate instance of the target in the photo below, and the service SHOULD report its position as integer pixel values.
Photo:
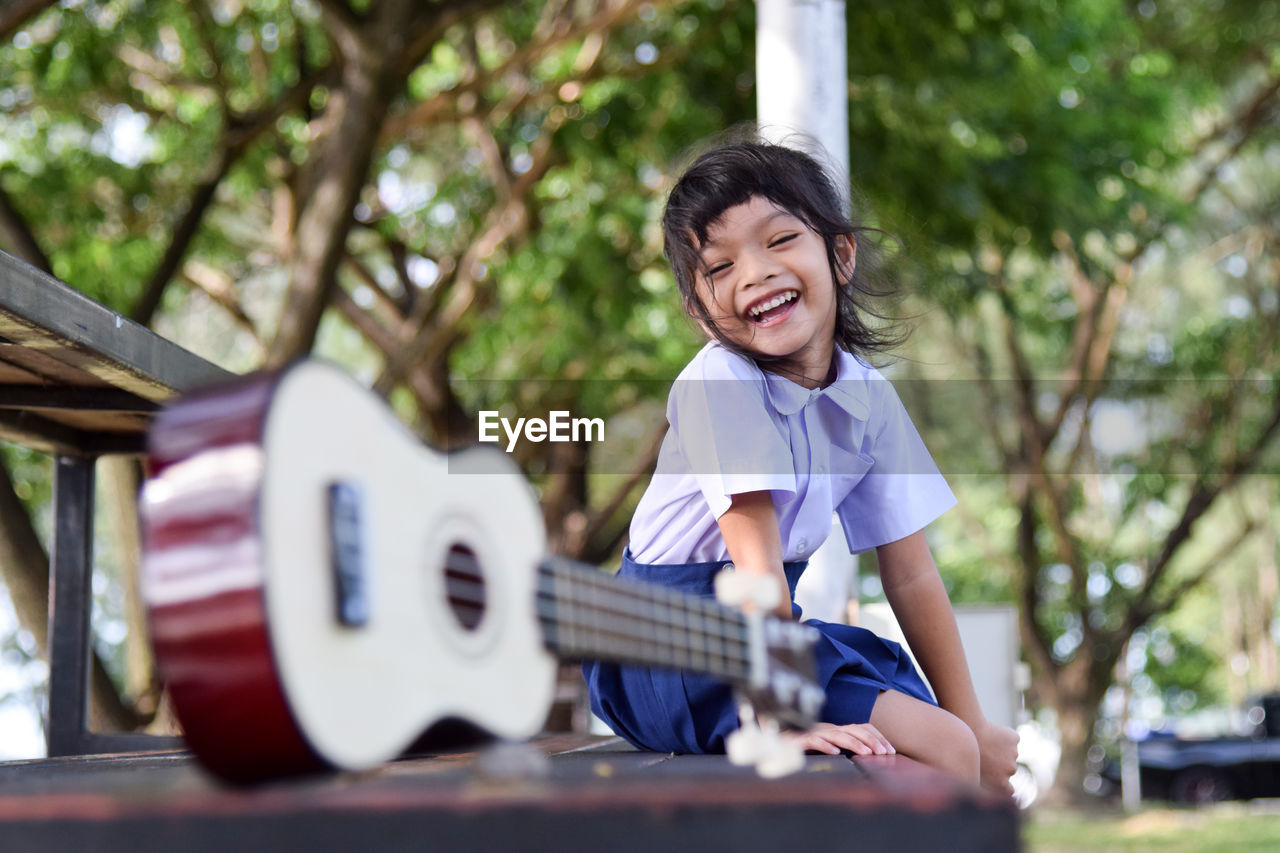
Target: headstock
(781, 690)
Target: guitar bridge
(346, 550)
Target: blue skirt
(670, 711)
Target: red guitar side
(213, 642)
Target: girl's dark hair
(731, 174)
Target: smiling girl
(776, 423)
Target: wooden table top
(77, 377)
(562, 793)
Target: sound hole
(464, 584)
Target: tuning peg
(802, 637)
(786, 686)
(745, 745)
(782, 757)
(812, 698)
(762, 745)
(766, 748)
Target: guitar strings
(704, 608)
(704, 618)
(465, 578)
(636, 640)
(601, 614)
(643, 623)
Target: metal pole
(69, 605)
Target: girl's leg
(928, 734)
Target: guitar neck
(587, 615)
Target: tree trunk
(122, 478)
(1264, 639)
(333, 178)
(1076, 697)
(1075, 724)
(24, 565)
(565, 500)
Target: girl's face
(770, 288)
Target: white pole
(802, 96)
(801, 74)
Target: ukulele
(322, 589)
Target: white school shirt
(849, 447)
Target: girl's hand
(998, 749)
(858, 738)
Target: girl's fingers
(864, 743)
(880, 739)
(867, 734)
(836, 741)
(824, 745)
(860, 739)
(812, 742)
(855, 739)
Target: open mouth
(767, 311)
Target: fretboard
(588, 615)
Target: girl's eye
(716, 269)
(785, 238)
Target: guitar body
(298, 543)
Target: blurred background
(458, 202)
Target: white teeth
(773, 303)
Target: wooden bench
(78, 380)
(564, 793)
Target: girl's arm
(750, 530)
(923, 609)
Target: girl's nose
(756, 265)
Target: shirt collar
(849, 391)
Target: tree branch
(337, 170)
(428, 111)
(1034, 638)
(1036, 442)
(1143, 611)
(19, 237)
(217, 285)
(643, 467)
(239, 132)
(428, 31)
(15, 13)
(391, 313)
(373, 331)
(1203, 496)
(1249, 116)
(1100, 306)
(991, 406)
(204, 29)
(343, 20)
(201, 198)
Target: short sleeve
(902, 490)
(727, 431)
